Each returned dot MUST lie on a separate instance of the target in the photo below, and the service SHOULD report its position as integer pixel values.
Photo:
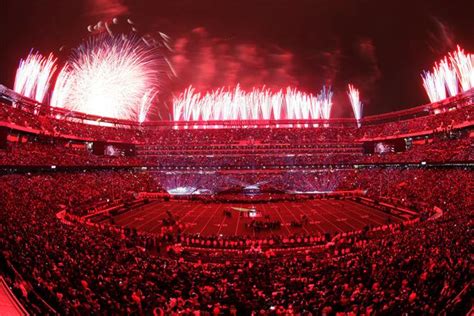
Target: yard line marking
(296, 219)
(289, 233)
(237, 226)
(161, 214)
(320, 211)
(211, 217)
(158, 223)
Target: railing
(46, 307)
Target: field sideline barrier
(375, 204)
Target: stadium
(243, 201)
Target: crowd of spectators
(62, 264)
(437, 122)
(59, 153)
(14, 117)
(227, 148)
(81, 269)
(434, 150)
(47, 154)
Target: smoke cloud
(105, 9)
(209, 62)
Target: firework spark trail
(357, 106)
(61, 87)
(299, 105)
(206, 111)
(276, 104)
(48, 68)
(33, 76)
(145, 104)
(315, 109)
(266, 105)
(293, 104)
(26, 74)
(450, 77)
(430, 86)
(24, 79)
(435, 83)
(182, 106)
(110, 76)
(440, 83)
(464, 69)
(325, 98)
(257, 104)
(256, 99)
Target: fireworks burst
(33, 76)
(61, 87)
(452, 74)
(145, 104)
(429, 83)
(114, 77)
(257, 104)
(356, 104)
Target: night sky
(380, 46)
